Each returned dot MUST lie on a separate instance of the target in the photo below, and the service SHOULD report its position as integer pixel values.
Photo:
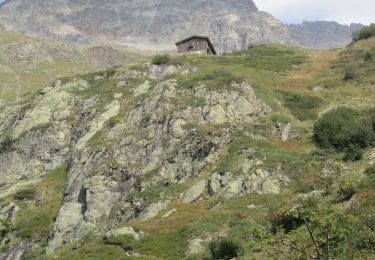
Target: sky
(342, 11)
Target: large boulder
(194, 192)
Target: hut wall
(193, 45)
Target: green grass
(281, 118)
(303, 107)
(34, 222)
(356, 59)
(271, 154)
(261, 65)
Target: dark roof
(200, 37)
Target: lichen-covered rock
(195, 246)
(194, 192)
(159, 72)
(285, 132)
(125, 231)
(142, 89)
(153, 210)
(96, 125)
(218, 181)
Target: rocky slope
(101, 177)
(323, 35)
(156, 161)
(150, 24)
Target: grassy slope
(41, 60)
(295, 83)
(18, 80)
(38, 206)
(277, 73)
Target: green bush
(341, 128)
(368, 56)
(224, 249)
(349, 74)
(4, 229)
(365, 33)
(6, 143)
(26, 194)
(160, 59)
(287, 220)
(353, 153)
(369, 180)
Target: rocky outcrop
(118, 147)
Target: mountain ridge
(232, 25)
(157, 24)
(323, 34)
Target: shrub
(353, 153)
(341, 128)
(6, 143)
(286, 220)
(26, 194)
(224, 249)
(365, 33)
(369, 179)
(368, 56)
(349, 74)
(4, 229)
(160, 59)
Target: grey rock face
(232, 25)
(323, 35)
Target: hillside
(156, 161)
(28, 63)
